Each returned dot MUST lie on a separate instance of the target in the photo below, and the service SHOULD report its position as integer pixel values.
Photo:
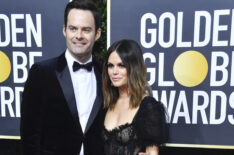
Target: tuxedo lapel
(99, 98)
(65, 82)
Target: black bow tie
(76, 66)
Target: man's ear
(64, 30)
(98, 34)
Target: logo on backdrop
(200, 76)
(19, 34)
(5, 67)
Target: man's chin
(82, 56)
(79, 52)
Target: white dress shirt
(84, 85)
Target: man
(62, 100)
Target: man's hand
(150, 150)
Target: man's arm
(31, 113)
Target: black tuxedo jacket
(49, 118)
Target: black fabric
(76, 66)
(147, 128)
(49, 117)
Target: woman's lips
(116, 79)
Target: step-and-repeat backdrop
(188, 49)
(30, 31)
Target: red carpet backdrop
(30, 31)
(188, 49)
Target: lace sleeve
(151, 123)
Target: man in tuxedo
(62, 99)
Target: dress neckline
(118, 128)
(127, 124)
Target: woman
(134, 122)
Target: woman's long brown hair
(131, 55)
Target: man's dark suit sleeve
(31, 112)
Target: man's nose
(79, 34)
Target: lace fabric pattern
(145, 130)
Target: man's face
(80, 33)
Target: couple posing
(62, 109)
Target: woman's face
(117, 70)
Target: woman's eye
(109, 65)
(122, 65)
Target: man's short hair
(83, 5)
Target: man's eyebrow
(71, 26)
(88, 27)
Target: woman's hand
(150, 150)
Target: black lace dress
(146, 129)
